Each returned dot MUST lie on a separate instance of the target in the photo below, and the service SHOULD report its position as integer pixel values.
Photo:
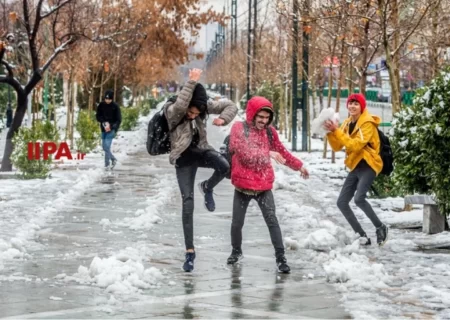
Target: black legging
(186, 170)
(266, 203)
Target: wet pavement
(252, 289)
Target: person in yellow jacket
(359, 135)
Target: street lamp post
(249, 47)
(305, 67)
(294, 75)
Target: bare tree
(63, 16)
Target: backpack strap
(269, 135)
(246, 128)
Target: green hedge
(130, 118)
(89, 131)
(42, 132)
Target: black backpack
(225, 151)
(158, 133)
(386, 154)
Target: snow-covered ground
(398, 280)
(28, 205)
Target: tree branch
(394, 52)
(37, 20)
(26, 17)
(31, 40)
(9, 68)
(13, 82)
(58, 50)
(55, 9)
(365, 17)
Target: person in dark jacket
(110, 117)
(252, 174)
(190, 150)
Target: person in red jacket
(252, 144)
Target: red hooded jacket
(251, 167)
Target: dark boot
(236, 255)
(382, 234)
(282, 263)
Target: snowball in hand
(317, 125)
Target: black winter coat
(109, 113)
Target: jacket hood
(255, 105)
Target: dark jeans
(186, 171)
(359, 180)
(266, 203)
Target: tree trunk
(91, 100)
(101, 86)
(435, 38)
(53, 105)
(394, 70)
(290, 121)
(364, 62)
(69, 102)
(340, 82)
(349, 76)
(22, 104)
(72, 107)
(282, 117)
(286, 110)
(33, 108)
(330, 91)
(66, 90)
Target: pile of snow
(123, 273)
(357, 270)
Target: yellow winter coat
(363, 143)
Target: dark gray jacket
(181, 137)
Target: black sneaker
(236, 255)
(382, 234)
(282, 264)
(209, 203)
(114, 162)
(188, 265)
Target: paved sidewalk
(214, 290)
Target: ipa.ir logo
(48, 148)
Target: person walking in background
(110, 117)
(359, 135)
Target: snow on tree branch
(57, 51)
(54, 9)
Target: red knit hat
(359, 98)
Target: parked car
(384, 95)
